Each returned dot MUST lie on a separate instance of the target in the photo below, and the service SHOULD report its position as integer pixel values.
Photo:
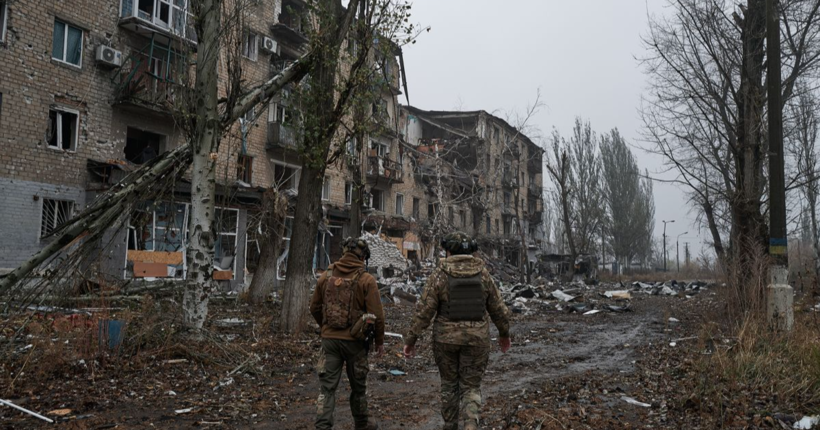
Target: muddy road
(565, 370)
(550, 349)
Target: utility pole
(780, 296)
(677, 249)
(664, 242)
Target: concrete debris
(385, 257)
(592, 312)
(560, 295)
(807, 422)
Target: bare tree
(802, 143)
(559, 166)
(704, 110)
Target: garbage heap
(385, 258)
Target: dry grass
(748, 367)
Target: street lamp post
(677, 249)
(664, 242)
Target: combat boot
(371, 425)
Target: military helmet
(459, 243)
(357, 246)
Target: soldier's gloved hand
(504, 343)
(379, 351)
(409, 351)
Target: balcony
(167, 17)
(383, 169)
(509, 179)
(291, 25)
(534, 189)
(281, 136)
(536, 217)
(151, 77)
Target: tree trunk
(201, 236)
(274, 208)
(749, 229)
(302, 249)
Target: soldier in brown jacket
(346, 294)
(463, 298)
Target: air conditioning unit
(109, 56)
(270, 45)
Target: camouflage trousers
(335, 355)
(461, 368)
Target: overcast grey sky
(582, 54)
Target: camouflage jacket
(475, 333)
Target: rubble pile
(589, 299)
(385, 258)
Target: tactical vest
(466, 301)
(338, 301)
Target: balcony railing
(536, 217)
(170, 17)
(281, 136)
(384, 168)
(535, 189)
(151, 77)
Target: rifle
(365, 330)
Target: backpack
(338, 301)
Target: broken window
(348, 193)
(142, 146)
(326, 190)
(3, 13)
(399, 204)
(286, 177)
(226, 225)
(55, 213)
(250, 45)
(496, 226)
(282, 261)
(416, 204)
(277, 113)
(377, 200)
(244, 168)
(67, 43)
(508, 225)
(489, 225)
(507, 198)
(462, 215)
(63, 125)
(352, 149)
(378, 149)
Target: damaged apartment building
(86, 93)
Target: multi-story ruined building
(87, 90)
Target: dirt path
(549, 348)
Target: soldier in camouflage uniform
(463, 298)
(340, 349)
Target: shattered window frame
(222, 230)
(282, 260)
(154, 233)
(250, 45)
(55, 132)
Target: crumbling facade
(87, 94)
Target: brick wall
(20, 209)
